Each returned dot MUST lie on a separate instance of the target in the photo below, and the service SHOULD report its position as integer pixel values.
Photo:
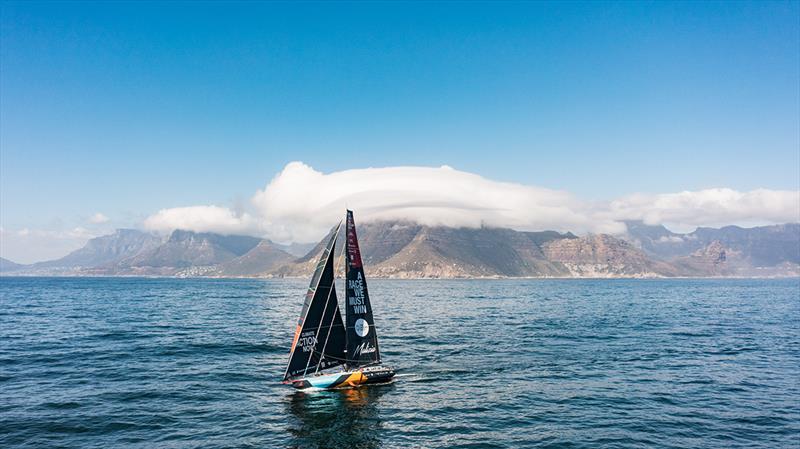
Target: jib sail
(362, 338)
(319, 340)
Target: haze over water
(509, 363)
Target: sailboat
(322, 340)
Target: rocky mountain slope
(186, 249)
(8, 266)
(409, 250)
(604, 256)
(263, 258)
(106, 250)
(762, 250)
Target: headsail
(319, 340)
(362, 338)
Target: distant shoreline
(488, 278)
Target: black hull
(347, 379)
(379, 375)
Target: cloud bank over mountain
(301, 203)
(202, 219)
(711, 207)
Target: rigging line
(294, 344)
(325, 345)
(375, 338)
(331, 289)
(316, 335)
(332, 325)
(345, 359)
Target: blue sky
(126, 109)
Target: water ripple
(95, 363)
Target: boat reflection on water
(336, 418)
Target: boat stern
(378, 374)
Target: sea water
(125, 362)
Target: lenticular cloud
(301, 201)
(300, 204)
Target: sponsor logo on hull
(343, 380)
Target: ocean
(183, 363)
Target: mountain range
(408, 250)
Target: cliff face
(714, 260)
(404, 250)
(186, 249)
(414, 251)
(263, 258)
(105, 250)
(603, 256)
(762, 245)
(453, 252)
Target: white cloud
(300, 204)
(202, 219)
(98, 218)
(711, 207)
(670, 239)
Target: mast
(361, 335)
(320, 319)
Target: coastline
(398, 278)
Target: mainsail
(362, 338)
(319, 340)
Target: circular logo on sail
(362, 327)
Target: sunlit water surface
(95, 363)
